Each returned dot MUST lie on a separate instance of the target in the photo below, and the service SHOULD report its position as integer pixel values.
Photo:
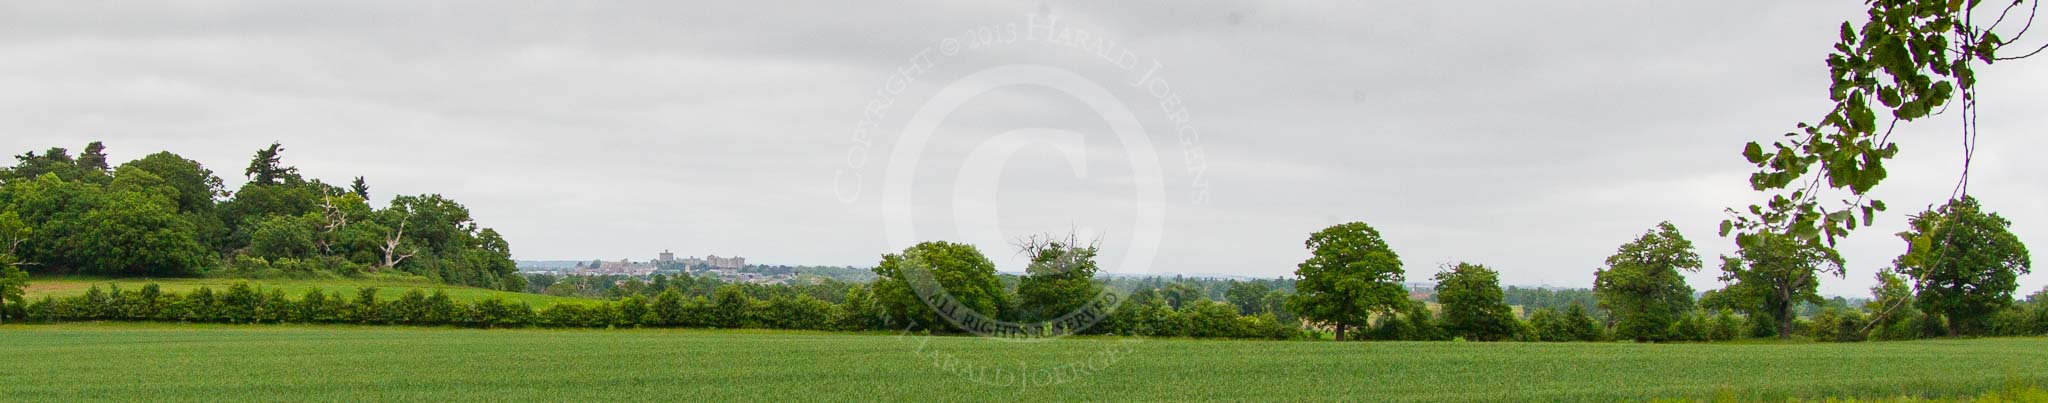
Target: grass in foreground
(387, 289)
(98, 361)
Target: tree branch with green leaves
(1909, 61)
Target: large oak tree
(1965, 263)
(1350, 276)
(1642, 287)
(1777, 272)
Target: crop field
(178, 362)
(387, 289)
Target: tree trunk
(391, 256)
(1785, 323)
(1785, 316)
(1340, 332)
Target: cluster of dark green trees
(167, 216)
(1059, 284)
(1957, 278)
(1354, 281)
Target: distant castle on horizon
(667, 259)
(713, 261)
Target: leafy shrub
(1727, 327)
(1849, 327)
(1824, 325)
(732, 306)
(2012, 321)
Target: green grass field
(387, 289)
(102, 361)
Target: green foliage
(1726, 326)
(284, 237)
(1143, 312)
(801, 312)
(268, 168)
(443, 242)
(1533, 299)
(1893, 316)
(1146, 313)
(1413, 322)
(2012, 321)
(862, 311)
(129, 228)
(1351, 275)
(1691, 326)
(1908, 60)
(162, 215)
(563, 289)
(2038, 305)
(56, 161)
(360, 188)
(1060, 280)
(195, 187)
(1275, 303)
(1582, 325)
(933, 269)
(1207, 318)
(1549, 325)
(1642, 287)
(12, 283)
(1181, 294)
(1833, 325)
(1249, 297)
(94, 158)
(1572, 325)
(13, 232)
(256, 202)
(1965, 263)
(1473, 307)
(1773, 273)
(732, 308)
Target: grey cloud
(1534, 137)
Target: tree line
(1060, 280)
(1353, 275)
(731, 306)
(164, 215)
(167, 216)
(1957, 277)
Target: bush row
(729, 307)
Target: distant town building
(712, 261)
(726, 268)
(623, 267)
(1420, 291)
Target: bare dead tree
(392, 257)
(1033, 246)
(14, 243)
(334, 221)
(14, 233)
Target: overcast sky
(1534, 137)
